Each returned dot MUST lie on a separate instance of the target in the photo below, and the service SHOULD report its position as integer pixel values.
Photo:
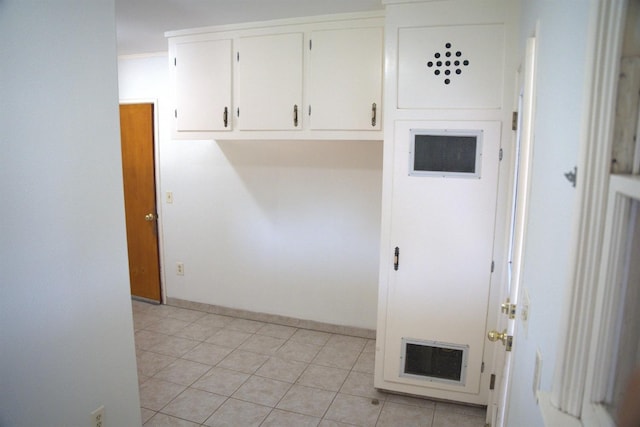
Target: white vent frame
(463, 366)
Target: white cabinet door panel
(451, 67)
(346, 79)
(203, 85)
(269, 72)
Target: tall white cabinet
(447, 147)
(305, 78)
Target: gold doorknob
(149, 217)
(495, 336)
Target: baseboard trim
(274, 318)
(147, 300)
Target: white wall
(280, 227)
(66, 334)
(560, 85)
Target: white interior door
(521, 179)
(443, 226)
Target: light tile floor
(202, 369)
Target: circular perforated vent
(447, 63)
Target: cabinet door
(346, 79)
(269, 87)
(203, 85)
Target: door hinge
(500, 154)
(175, 113)
(175, 62)
(309, 109)
(514, 121)
(492, 382)
(238, 112)
(493, 266)
(482, 368)
(238, 56)
(310, 44)
(396, 258)
(508, 309)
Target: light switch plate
(97, 417)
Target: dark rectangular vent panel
(440, 153)
(434, 361)
(444, 153)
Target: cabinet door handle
(295, 115)
(374, 113)
(225, 117)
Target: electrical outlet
(169, 197)
(97, 417)
(180, 268)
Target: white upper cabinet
(203, 85)
(299, 78)
(345, 79)
(269, 85)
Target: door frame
(565, 402)
(623, 190)
(158, 193)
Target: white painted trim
(623, 189)
(156, 155)
(295, 322)
(307, 20)
(552, 417)
(161, 54)
(636, 154)
(605, 39)
(386, 2)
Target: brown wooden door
(136, 131)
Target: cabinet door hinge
(175, 113)
(493, 266)
(396, 258)
(175, 62)
(238, 112)
(237, 56)
(482, 368)
(514, 121)
(309, 109)
(310, 44)
(492, 382)
(500, 154)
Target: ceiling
(141, 24)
